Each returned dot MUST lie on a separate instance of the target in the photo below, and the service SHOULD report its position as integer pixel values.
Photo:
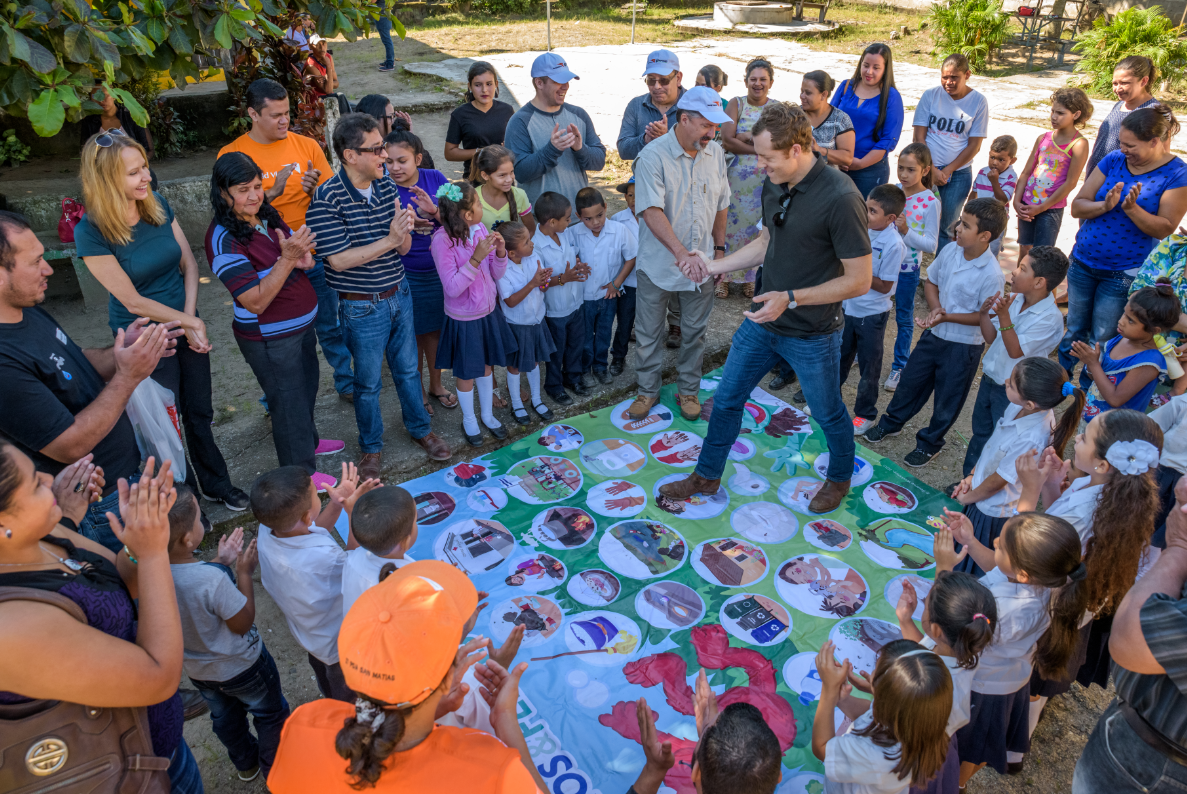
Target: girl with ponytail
(990, 494)
(493, 173)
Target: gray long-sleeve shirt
(640, 112)
(540, 166)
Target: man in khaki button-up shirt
(682, 196)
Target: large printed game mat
(625, 593)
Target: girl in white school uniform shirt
(990, 493)
(521, 292)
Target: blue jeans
(904, 316)
(329, 332)
(184, 776)
(255, 691)
(867, 179)
(95, 526)
(817, 362)
(374, 331)
(599, 323)
(990, 406)
(1043, 230)
(384, 27)
(1117, 761)
(952, 197)
(1096, 300)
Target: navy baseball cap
(704, 100)
(662, 62)
(552, 66)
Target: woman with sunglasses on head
(115, 117)
(133, 245)
(482, 120)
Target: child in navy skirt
(521, 293)
(475, 335)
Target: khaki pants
(651, 331)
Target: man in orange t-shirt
(293, 167)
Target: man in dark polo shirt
(361, 231)
(815, 253)
(59, 402)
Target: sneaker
(877, 433)
(250, 774)
(860, 425)
(807, 409)
(892, 380)
(919, 457)
(328, 446)
(235, 500)
(386, 67)
(322, 481)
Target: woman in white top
(990, 493)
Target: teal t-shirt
(152, 261)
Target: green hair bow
(450, 191)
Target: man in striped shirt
(361, 232)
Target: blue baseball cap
(552, 66)
(704, 100)
(662, 62)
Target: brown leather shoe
(828, 497)
(692, 484)
(435, 446)
(641, 407)
(690, 407)
(370, 465)
(674, 337)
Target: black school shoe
(877, 433)
(523, 420)
(499, 432)
(473, 440)
(918, 457)
(617, 366)
(544, 412)
(603, 376)
(578, 387)
(561, 398)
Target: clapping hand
(959, 530)
(704, 703)
(1054, 468)
(467, 656)
(655, 129)
(425, 206)
(1131, 198)
(349, 490)
(77, 486)
(1113, 196)
(541, 277)
(562, 139)
(310, 178)
(575, 133)
(229, 547)
(900, 223)
(1028, 467)
(482, 248)
(298, 248)
(908, 602)
(1089, 355)
(500, 245)
(659, 755)
(249, 557)
(143, 522)
(281, 181)
(1001, 309)
(506, 652)
(933, 317)
(833, 675)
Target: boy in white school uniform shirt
(1034, 326)
(998, 180)
(944, 362)
(625, 313)
(564, 300)
(383, 523)
(1172, 418)
(866, 315)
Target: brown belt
(374, 297)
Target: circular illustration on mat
(695, 507)
(764, 522)
(613, 457)
(861, 639)
(729, 562)
(658, 418)
(487, 500)
(542, 480)
(887, 497)
(669, 605)
(742, 449)
(594, 588)
(604, 639)
(803, 782)
(540, 617)
(822, 586)
(535, 573)
(676, 448)
(616, 499)
(894, 590)
(754, 417)
(801, 676)
(797, 493)
(827, 534)
(863, 472)
(467, 475)
(433, 507)
(474, 546)
(901, 545)
(756, 619)
(642, 549)
(560, 438)
(744, 482)
(564, 527)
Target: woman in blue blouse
(877, 124)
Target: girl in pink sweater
(475, 336)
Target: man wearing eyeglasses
(652, 114)
(815, 252)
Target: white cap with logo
(662, 62)
(704, 100)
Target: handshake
(695, 267)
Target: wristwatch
(720, 248)
(791, 304)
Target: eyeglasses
(376, 150)
(781, 216)
(652, 79)
(108, 138)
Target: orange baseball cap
(401, 636)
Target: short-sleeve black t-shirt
(47, 381)
(470, 128)
(826, 222)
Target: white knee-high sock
(486, 388)
(469, 421)
(1014, 758)
(534, 385)
(513, 388)
(1036, 711)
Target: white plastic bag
(153, 412)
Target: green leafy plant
(12, 151)
(1135, 31)
(973, 28)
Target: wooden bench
(800, 5)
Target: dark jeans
(95, 526)
(288, 372)
(384, 27)
(625, 314)
(990, 406)
(1043, 230)
(936, 365)
(184, 775)
(1117, 761)
(330, 681)
(863, 339)
(329, 332)
(187, 375)
(867, 179)
(599, 323)
(817, 362)
(952, 197)
(1095, 302)
(255, 691)
(564, 365)
(904, 316)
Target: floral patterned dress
(746, 178)
(1169, 259)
